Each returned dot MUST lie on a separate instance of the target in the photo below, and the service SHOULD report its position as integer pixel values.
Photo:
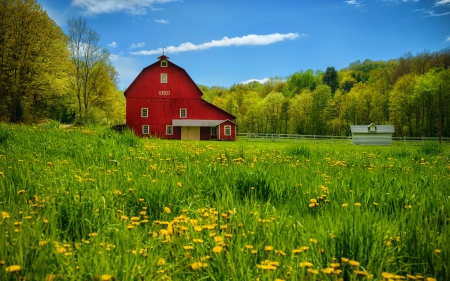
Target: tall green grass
(89, 203)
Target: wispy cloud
(113, 44)
(251, 39)
(135, 7)
(357, 4)
(442, 2)
(431, 13)
(261, 81)
(447, 39)
(162, 21)
(138, 45)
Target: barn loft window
(163, 63)
(169, 130)
(213, 131)
(144, 112)
(163, 77)
(145, 129)
(227, 130)
(183, 112)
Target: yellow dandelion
(409, 276)
(305, 264)
(297, 251)
(217, 249)
(431, 279)
(353, 263)
(13, 268)
(248, 247)
(105, 277)
(197, 240)
(313, 271)
(437, 251)
(313, 200)
(344, 260)
(254, 251)
(268, 248)
(21, 191)
(179, 184)
(345, 205)
(167, 210)
(161, 262)
(334, 265)
(188, 247)
(312, 205)
(357, 204)
(198, 265)
(312, 240)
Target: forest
(69, 77)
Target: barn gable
(162, 95)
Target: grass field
(92, 204)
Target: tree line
(412, 93)
(47, 74)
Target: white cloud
(261, 81)
(162, 21)
(447, 39)
(251, 39)
(358, 4)
(138, 45)
(135, 7)
(113, 44)
(442, 2)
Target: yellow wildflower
(167, 210)
(13, 268)
(217, 249)
(105, 277)
(198, 265)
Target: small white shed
(372, 134)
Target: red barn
(164, 101)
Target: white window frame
(215, 131)
(181, 113)
(169, 130)
(163, 63)
(144, 110)
(163, 78)
(146, 129)
(225, 129)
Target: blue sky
(225, 42)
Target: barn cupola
(163, 60)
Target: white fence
(279, 137)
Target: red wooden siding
(164, 101)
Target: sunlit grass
(92, 204)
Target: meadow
(88, 203)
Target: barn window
(163, 63)
(163, 77)
(169, 130)
(213, 131)
(183, 112)
(227, 130)
(144, 112)
(145, 129)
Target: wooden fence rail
(279, 137)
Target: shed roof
(365, 129)
(198, 123)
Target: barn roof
(364, 129)
(198, 123)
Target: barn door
(190, 133)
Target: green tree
(331, 79)
(91, 67)
(33, 61)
